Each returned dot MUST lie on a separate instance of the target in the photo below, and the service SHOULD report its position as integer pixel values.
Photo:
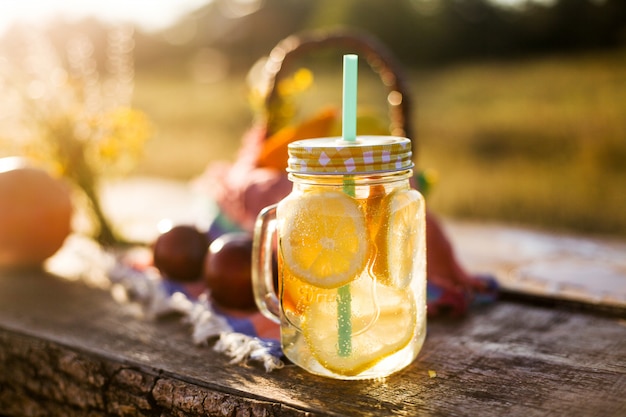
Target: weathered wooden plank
(588, 272)
(67, 349)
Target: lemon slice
(398, 238)
(379, 329)
(324, 238)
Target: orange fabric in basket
(274, 151)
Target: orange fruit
(324, 238)
(35, 214)
(397, 238)
(373, 205)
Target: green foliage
(539, 143)
(428, 32)
(423, 33)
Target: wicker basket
(287, 52)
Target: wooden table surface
(69, 349)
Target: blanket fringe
(83, 259)
(241, 347)
(204, 321)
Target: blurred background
(519, 105)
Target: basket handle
(377, 55)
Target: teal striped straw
(348, 113)
(344, 298)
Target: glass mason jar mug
(351, 300)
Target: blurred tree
(429, 32)
(425, 32)
(420, 32)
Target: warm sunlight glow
(149, 14)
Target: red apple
(227, 271)
(179, 253)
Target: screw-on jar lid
(365, 155)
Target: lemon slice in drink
(324, 238)
(398, 237)
(378, 329)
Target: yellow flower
(75, 124)
(299, 82)
(124, 132)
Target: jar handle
(262, 275)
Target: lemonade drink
(351, 254)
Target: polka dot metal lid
(365, 155)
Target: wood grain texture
(70, 350)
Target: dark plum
(179, 253)
(227, 271)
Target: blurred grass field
(538, 143)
